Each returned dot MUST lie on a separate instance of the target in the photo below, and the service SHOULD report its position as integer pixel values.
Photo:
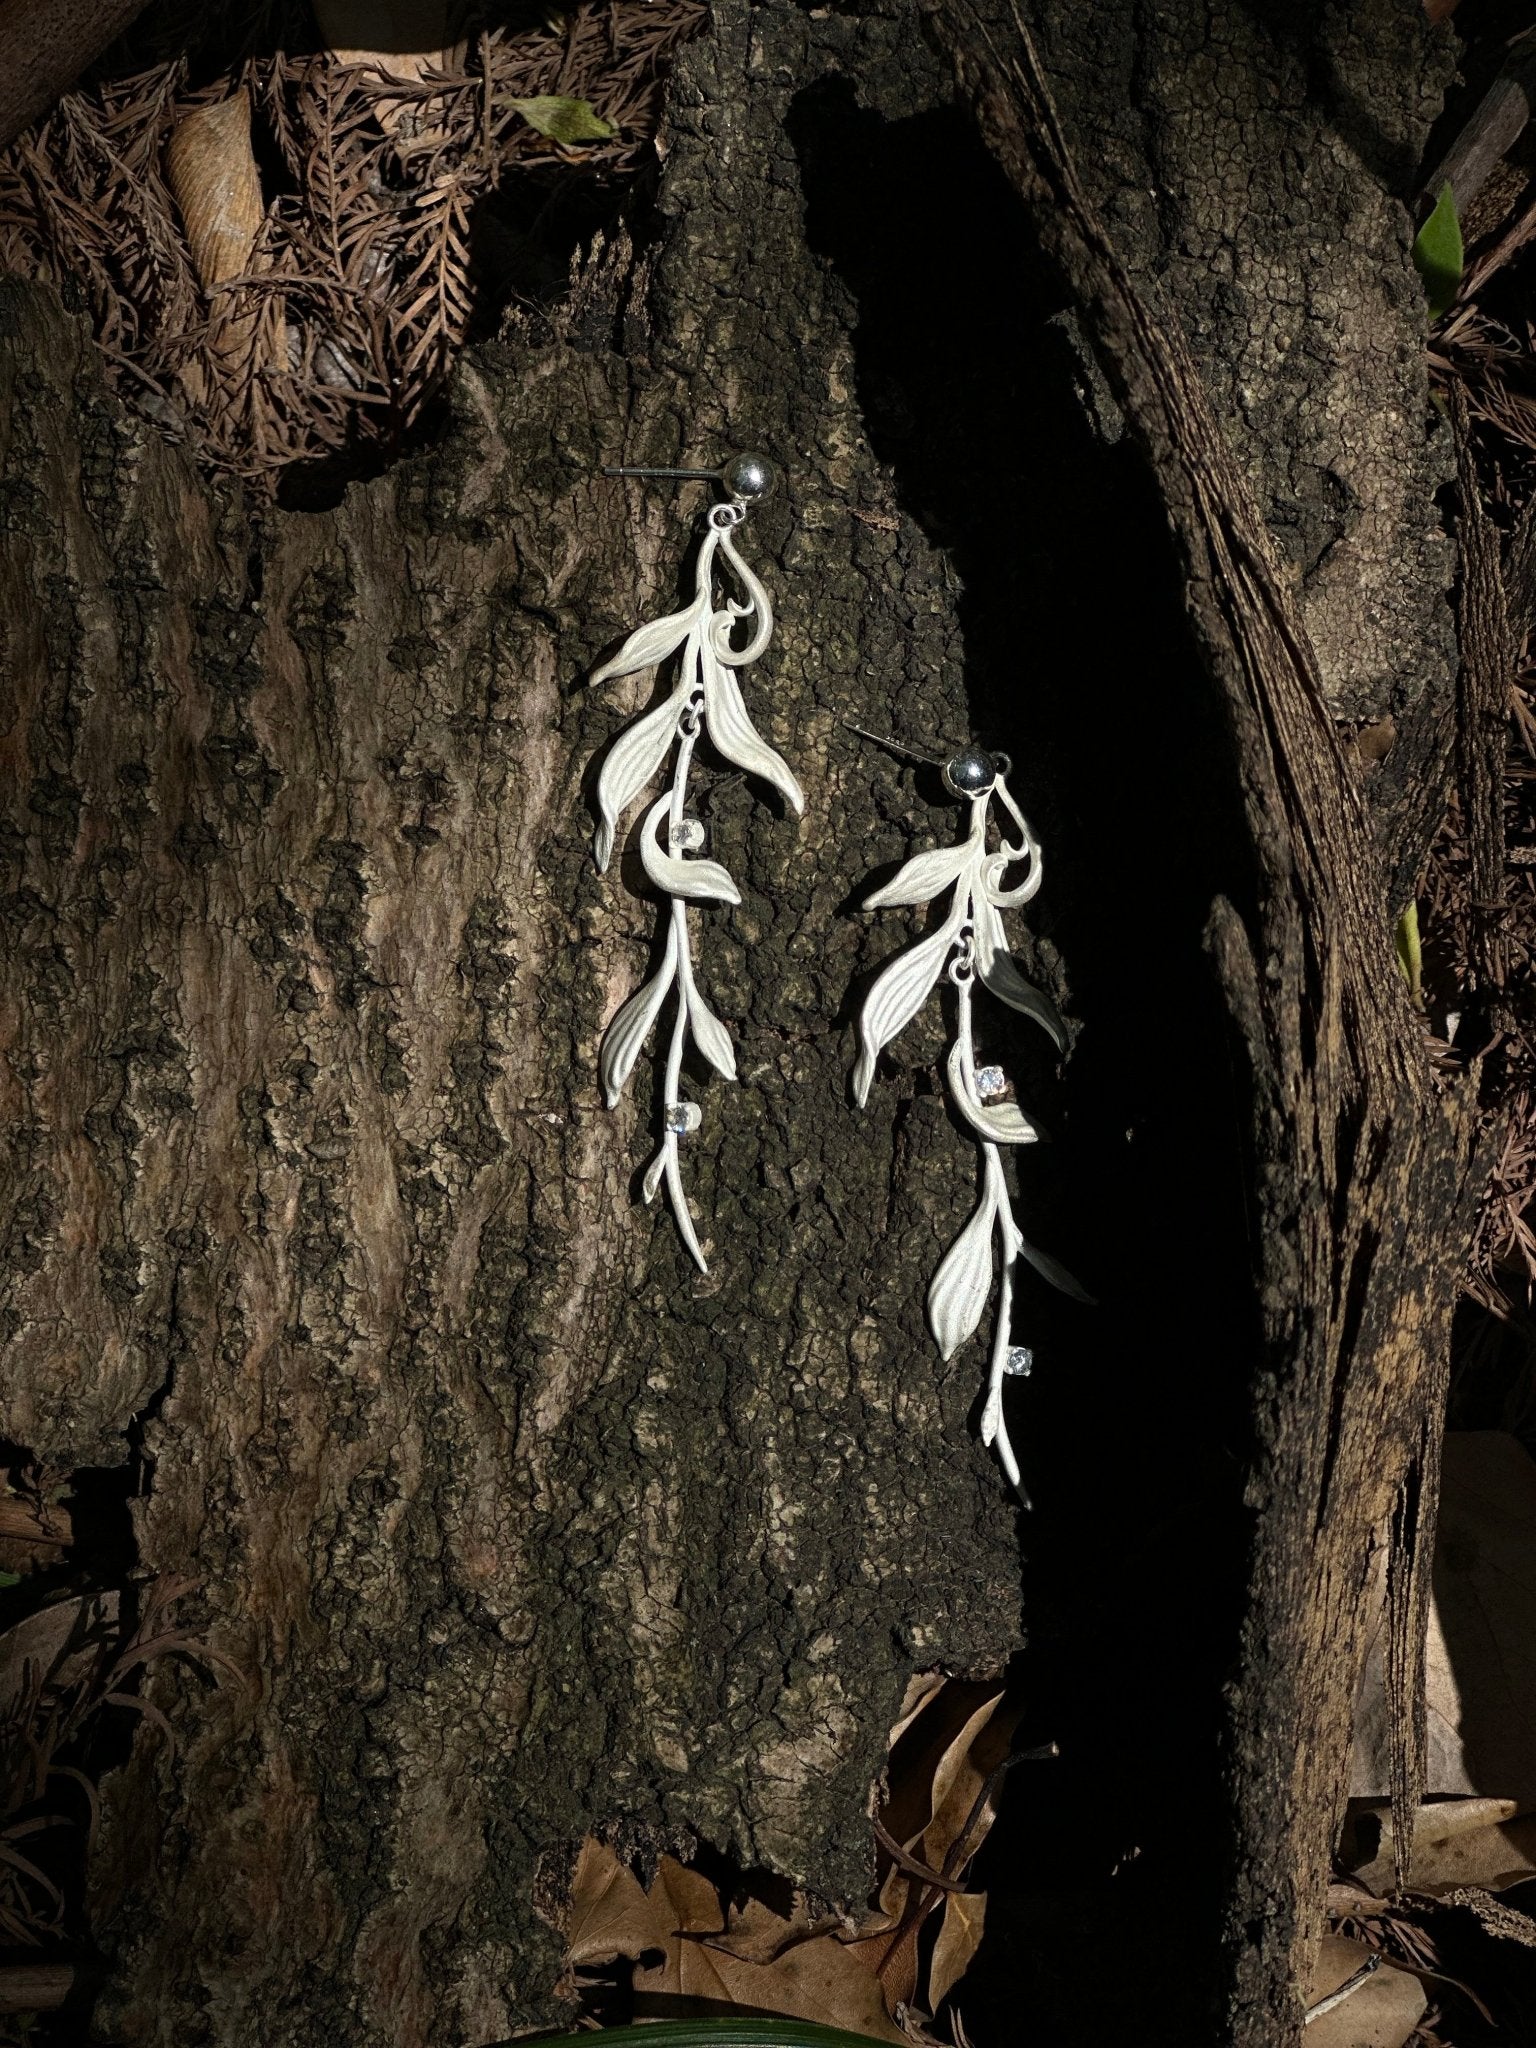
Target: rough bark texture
(520, 1529)
(1254, 160)
(1362, 1164)
(44, 47)
(1253, 163)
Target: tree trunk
(521, 1528)
(1291, 465)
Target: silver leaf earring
(707, 700)
(970, 944)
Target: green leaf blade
(1438, 254)
(564, 120)
(1409, 956)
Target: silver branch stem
(970, 945)
(706, 699)
(687, 997)
(1007, 1361)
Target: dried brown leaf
(1489, 1843)
(58, 1645)
(949, 1742)
(211, 169)
(677, 1936)
(403, 38)
(1382, 2013)
(960, 1932)
(922, 1687)
(947, 1750)
(926, 1741)
(961, 1815)
(610, 1915)
(756, 1934)
(1480, 1653)
(814, 1979)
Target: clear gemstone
(683, 1117)
(990, 1081)
(1020, 1362)
(688, 837)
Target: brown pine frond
(361, 288)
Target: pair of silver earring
(969, 944)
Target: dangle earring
(970, 945)
(707, 700)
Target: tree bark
(44, 47)
(1363, 1160)
(521, 1529)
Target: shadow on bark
(1134, 1431)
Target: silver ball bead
(971, 773)
(748, 477)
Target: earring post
(689, 475)
(884, 740)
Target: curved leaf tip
(958, 1292)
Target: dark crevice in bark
(1079, 662)
(1345, 1352)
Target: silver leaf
(652, 643)
(960, 1287)
(921, 879)
(697, 880)
(994, 1431)
(998, 866)
(757, 602)
(710, 1035)
(992, 1414)
(681, 1213)
(631, 1026)
(632, 760)
(737, 738)
(1053, 1270)
(1000, 973)
(1026, 851)
(898, 995)
(654, 1171)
